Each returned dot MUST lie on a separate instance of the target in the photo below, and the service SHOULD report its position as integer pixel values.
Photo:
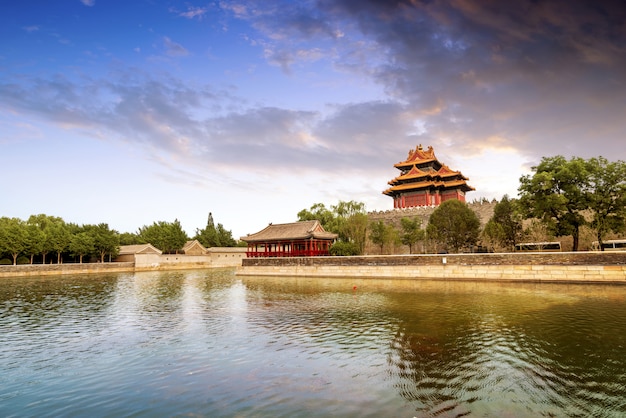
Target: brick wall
(534, 267)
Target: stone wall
(216, 257)
(483, 210)
(60, 269)
(528, 267)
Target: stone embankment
(577, 267)
(61, 269)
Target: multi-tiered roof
(424, 181)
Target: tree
(169, 237)
(454, 225)
(505, 226)
(212, 236)
(342, 248)
(347, 219)
(383, 234)
(81, 244)
(225, 237)
(12, 237)
(493, 234)
(58, 237)
(556, 194)
(606, 196)
(46, 224)
(319, 212)
(35, 238)
(412, 232)
(130, 238)
(105, 240)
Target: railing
(301, 253)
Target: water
(206, 343)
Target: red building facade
(424, 181)
(298, 239)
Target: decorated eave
(423, 185)
(419, 156)
(291, 232)
(416, 173)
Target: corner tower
(424, 181)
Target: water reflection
(206, 343)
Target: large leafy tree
(58, 237)
(81, 244)
(454, 225)
(169, 237)
(606, 195)
(412, 232)
(49, 233)
(319, 212)
(383, 234)
(12, 237)
(556, 194)
(505, 226)
(215, 236)
(347, 219)
(35, 238)
(106, 241)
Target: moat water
(210, 344)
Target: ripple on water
(208, 344)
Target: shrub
(342, 248)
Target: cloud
(174, 49)
(89, 3)
(473, 79)
(545, 77)
(193, 12)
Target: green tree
(35, 238)
(383, 234)
(212, 236)
(454, 225)
(58, 237)
(46, 224)
(342, 248)
(106, 241)
(556, 194)
(169, 237)
(493, 234)
(81, 244)
(225, 236)
(412, 232)
(12, 237)
(606, 195)
(505, 226)
(347, 219)
(130, 238)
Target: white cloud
(174, 49)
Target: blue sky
(131, 112)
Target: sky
(131, 112)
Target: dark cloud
(544, 77)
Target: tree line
(560, 198)
(46, 239)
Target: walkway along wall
(524, 267)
